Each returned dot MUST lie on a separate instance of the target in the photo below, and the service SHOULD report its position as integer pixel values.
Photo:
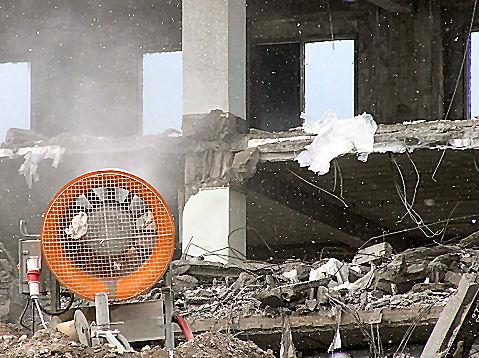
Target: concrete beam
(392, 5)
(317, 329)
(214, 53)
(389, 138)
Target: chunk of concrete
(373, 253)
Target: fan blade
(137, 206)
(93, 198)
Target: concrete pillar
(214, 53)
(214, 77)
(214, 223)
(400, 64)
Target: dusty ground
(50, 343)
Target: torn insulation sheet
(336, 137)
(33, 156)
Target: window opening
(162, 91)
(329, 78)
(15, 89)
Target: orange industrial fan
(108, 231)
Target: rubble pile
(374, 279)
(51, 343)
(212, 345)
(46, 343)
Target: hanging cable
(23, 315)
(60, 311)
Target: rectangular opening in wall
(474, 95)
(275, 89)
(162, 91)
(329, 78)
(15, 84)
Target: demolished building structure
(233, 176)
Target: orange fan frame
(85, 284)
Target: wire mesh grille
(108, 232)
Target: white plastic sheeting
(33, 156)
(335, 137)
(78, 226)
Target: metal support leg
(54, 294)
(102, 311)
(102, 328)
(168, 299)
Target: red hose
(184, 326)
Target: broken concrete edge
(213, 269)
(446, 336)
(219, 168)
(389, 138)
(77, 144)
(323, 321)
(217, 125)
(373, 253)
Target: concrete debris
(6, 153)
(333, 267)
(214, 345)
(421, 276)
(287, 349)
(291, 275)
(51, 343)
(47, 343)
(457, 328)
(373, 253)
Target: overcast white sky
(475, 74)
(14, 97)
(329, 80)
(162, 92)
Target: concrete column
(400, 64)
(214, 77)
(214, 52)
(214, 223)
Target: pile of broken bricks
(375, 278)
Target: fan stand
(101, 328)
(168, 304)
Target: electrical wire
(60, 311)
(319, 188)
(382, 236)
(255, 231)
(415, 217)
(23, 315)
